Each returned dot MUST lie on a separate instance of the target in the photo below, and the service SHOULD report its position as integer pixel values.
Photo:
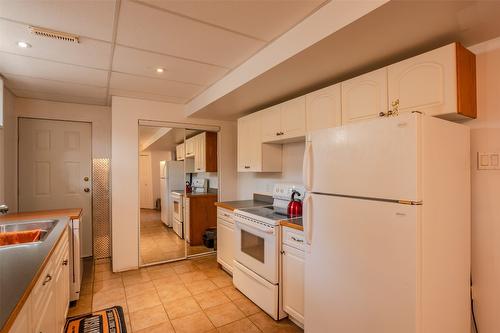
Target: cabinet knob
(65, 262)
(282, 252)
(47, 279)
(382, 114)
(86, 190)
(247, 167)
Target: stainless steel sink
(45, 227)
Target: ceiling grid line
(120, 52)
(113, 45)
(197, 20)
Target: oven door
(256, 248)
(177, 208)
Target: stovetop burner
(270, 214)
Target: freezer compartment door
(360, 266)
(375, 158)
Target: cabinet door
(45, 320)
(293, 118)
(201, 150)
(425, 83)
(225, 243)
(365, 96)
(323, 108)
(179, 152)
(293, 282)
(61, 286)
(249, 143)
(271, 123)
(243, 143)
(190, 147)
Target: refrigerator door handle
(306, 166)
(309, 221)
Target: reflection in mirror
(202, 183)
(178, 188)
(161, 178)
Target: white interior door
(55, 169)
(146, 182)
(360, 266)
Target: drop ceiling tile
(265, 20)
(44, 69)
(144, 63)
(147, 28)
(148, 96)
(49, 87)
(59, 98)
(154, 86)
(46, 48)
(90, 18)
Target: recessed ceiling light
(160, 70)
(23, 45)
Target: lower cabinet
(225, 238)
(293, 274)
(46, 308)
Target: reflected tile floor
(160, 243)
(192, 295)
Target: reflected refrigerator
(387, 225)
(171, 179)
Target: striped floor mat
(104, 321)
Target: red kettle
(295, 205)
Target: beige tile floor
(160, 243)
(186, 296)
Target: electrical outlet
(488, 161)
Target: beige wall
(485, 137)
(251, 182)
(126, 112)
(99, 116)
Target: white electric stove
(257, 244)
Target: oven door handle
(266, 230)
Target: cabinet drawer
(294, 238)
(225, 214)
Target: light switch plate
(488, 161)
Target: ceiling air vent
(63, 36)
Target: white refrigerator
(171, 179)
(387, 224)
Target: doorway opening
(178, 185)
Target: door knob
(86, 190)
(86, 178)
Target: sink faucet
(3, 209)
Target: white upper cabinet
(293, 118)
(190, 146)
(253, 155)
(364, 96)
(285, 121)
(271, 123)
(323, 108)
(430, 83)
(179, 152)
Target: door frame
(91, 213)
(184, 126)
